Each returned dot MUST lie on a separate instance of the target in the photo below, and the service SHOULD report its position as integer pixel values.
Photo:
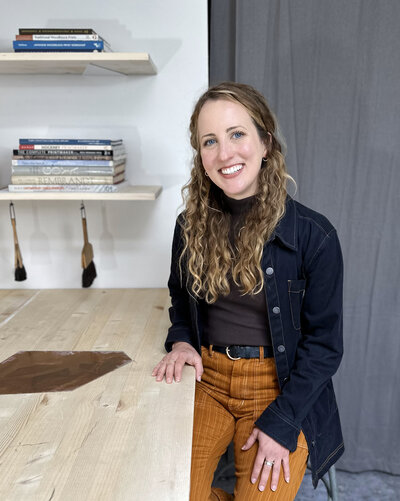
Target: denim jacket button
(276, 310)
(281, 348)
(269, 271)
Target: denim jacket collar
(287, 226)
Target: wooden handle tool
(20, 272)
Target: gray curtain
(331, 72)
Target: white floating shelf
(127, 63)
(124, 193)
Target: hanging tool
(89, 269)
(20, 272)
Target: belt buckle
(230, 356)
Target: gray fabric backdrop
(331, 72)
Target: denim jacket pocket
(297, 289)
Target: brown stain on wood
(46, 371)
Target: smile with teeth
(232, 170)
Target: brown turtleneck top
(237, 318)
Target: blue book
(68, 45)
(75, 163)
(107, 142)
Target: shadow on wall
(117, 35)
(39, 241)
(106, 244)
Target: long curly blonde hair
(207, 253)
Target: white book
(111, 179)
(83, 147)
(74, 188)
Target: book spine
(56, 50)
(38, 170)
(36, 141)
(58, 45)
(80, 188)
(62, 179)
(65, 37)
(55, 31)
(66, 154)
(71, 163)
(65, 147)
(51, 158)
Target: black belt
(235, 352)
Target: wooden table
(120, 437)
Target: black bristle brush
(20, 272)
(89, 269)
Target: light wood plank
(120, 437)
(11, 301)
(127, 63)
(125, 193)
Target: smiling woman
(237, 155)
(256, 292)
(231, 149)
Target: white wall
(131, 240)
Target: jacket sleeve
(319, 350)
(179, 312)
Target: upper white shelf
(127, 63)
(124, 193)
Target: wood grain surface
(120, 437)
(124, 193)
(127, 63)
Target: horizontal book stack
(59, 40)
(73, 165)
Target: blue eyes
(236, 135)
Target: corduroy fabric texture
(229, 399)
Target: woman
(256, 291)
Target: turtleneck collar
(237, 207)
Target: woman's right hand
(171, 365)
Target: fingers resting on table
(170, 367)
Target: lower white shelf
(125, 193)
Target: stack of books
(77, 165)
(59, 40)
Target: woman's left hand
(268, 451)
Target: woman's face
(230, 147)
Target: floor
(366, 486)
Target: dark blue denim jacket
(303, 272)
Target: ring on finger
(269, 463)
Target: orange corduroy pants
(230, 397)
